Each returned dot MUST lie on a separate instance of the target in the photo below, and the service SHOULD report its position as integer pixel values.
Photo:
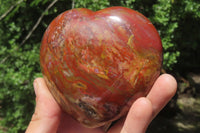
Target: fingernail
(35, 85)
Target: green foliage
(91, 4)
(5, 6)
(177, 22)
(166, 20)
(17, 97)
(19, 63)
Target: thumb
(47, 112)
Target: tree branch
(32, 30)
(73, 3)
(10, 9)
(37, 23)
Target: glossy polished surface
(97, 63)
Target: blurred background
(23, 22)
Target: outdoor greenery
(23, 22)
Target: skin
(49, 118)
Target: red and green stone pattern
(97, 63)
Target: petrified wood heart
(97, 63)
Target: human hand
(49, 118)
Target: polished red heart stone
(97, 63)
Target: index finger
(162, 91)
